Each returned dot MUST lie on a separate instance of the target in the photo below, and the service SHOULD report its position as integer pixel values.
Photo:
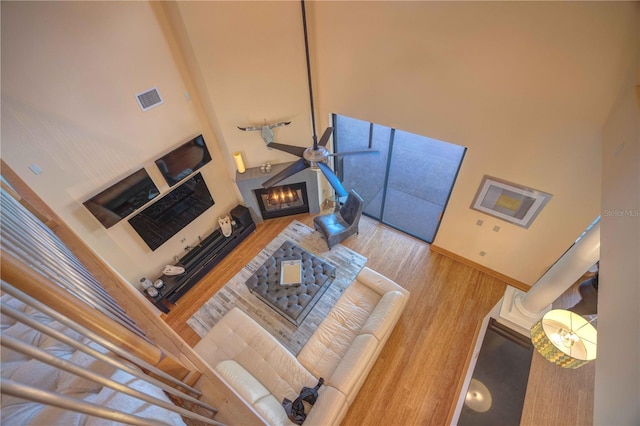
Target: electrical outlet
(479, 222)
(496, 228)
(482, 253)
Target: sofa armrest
(385, 315)
(355, 363)
(379, 283)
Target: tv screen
(175, 210)
(120, 200)
(184, 160)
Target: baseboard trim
(512, 282)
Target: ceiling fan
(317, 155)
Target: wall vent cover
(149, 99)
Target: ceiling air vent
(149, 99)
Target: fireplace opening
(282, 200)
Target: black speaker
(241, 215)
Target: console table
(202, 258)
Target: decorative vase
(145, 283)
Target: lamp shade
(237, 157)
(565, 338)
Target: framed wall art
(509, 201)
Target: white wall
(70, 71)
(617, 388)
(251, 61)
(525, 86)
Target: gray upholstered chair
(342, 223)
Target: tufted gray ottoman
(292, 302)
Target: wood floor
(415, 379)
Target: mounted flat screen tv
(120, 200)
(184, 160)
(175, 210)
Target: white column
(566, 271)
(524, 309)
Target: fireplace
(283, 200)
(253, 178)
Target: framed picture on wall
(509, 201)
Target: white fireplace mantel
(253, 178)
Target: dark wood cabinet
(202, 258)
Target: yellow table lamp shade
(237, 157)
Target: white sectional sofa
(342, 351)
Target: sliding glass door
(406, 185)
(364, 173)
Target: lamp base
(514, 315)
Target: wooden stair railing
(40, 288)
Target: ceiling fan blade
(298, 151)
(296, 167)
(333, 180)
(368, 151)
(325, 136)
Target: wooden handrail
(42, 289)
(50, 223)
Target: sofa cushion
(330, 342)
(242, 381)
(238, 337)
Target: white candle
(237, 157)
